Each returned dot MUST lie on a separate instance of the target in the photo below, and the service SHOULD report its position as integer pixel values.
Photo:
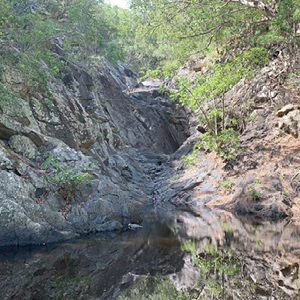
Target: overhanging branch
(269, 9)
(216, 28)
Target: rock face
(92, 125)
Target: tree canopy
(91, 25)
(240, 31)
(193, 26)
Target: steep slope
(262, 181)
(100, 143)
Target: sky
(121, 3)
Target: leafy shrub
(226, 143)
(226, 185)
(257, 180)
(254, 193)
(206, 94)
(189, 159)
(151, 73)
(7, 95)
(64, 179)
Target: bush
(226, 143)
(254, 193)
(63, 179)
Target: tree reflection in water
(180, 256)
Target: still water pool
(177, 256)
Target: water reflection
(181, 256)
(92, 268)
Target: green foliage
(256, 194)
(286, 21)
(190, 159)
(226, 185)
(221, 260)
(206, 93)
(226, 226)
(163, 90)
(257, 180)
(5, 17)
(7, 95)
(64, 179)
(173, 177)
(226, 143)
(82, 29)
(215, 264)
(188, 28)
(165, 69)
(150, 73)
(222, 77)
(294, 79)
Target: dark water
(174, 256)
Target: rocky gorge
(96, 126)
(123, 141)
(129, 139)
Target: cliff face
(91, 126)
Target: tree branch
(269, 9)
(171, 17)
(210, 40)
(216, 28)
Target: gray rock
(241, 209)
(24, 146)
(98, 208)
(109, 226)
(134, 226)
(132, 138)
(55, 202)
(263, 95)
(5, 162)
(258, 207)
(290, 122)
(285, 110)
(192, 183)
(22, 168)
(15, 187)
(88, 120)
(27, 223)
(62, 152)
(120, 162)
(78, 217)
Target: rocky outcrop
(263, 179)
(91, 123)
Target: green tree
(246, 28)
(40, 37)
(206, 93)
(192, 28)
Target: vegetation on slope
(37, 37)
(191, 28)
(156, 36)
(241, 34)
